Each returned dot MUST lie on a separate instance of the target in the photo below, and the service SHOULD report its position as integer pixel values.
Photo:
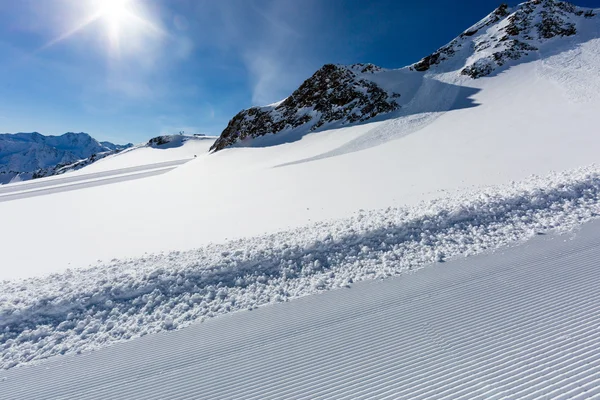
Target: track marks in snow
(70, 178)
(575, 71)
(73, 182)
(521, 323)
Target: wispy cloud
(280, 60)
(267, 76)
(265, 36)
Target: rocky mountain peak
(508, 34)
(335, 93)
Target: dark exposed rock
(334, 93)
(501, 11)
(440, 55)
(485, 66)
(552, 25)
(159, 140)
(554, 19)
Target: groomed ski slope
(86, 309)
(518, 324)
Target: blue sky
(162, 66)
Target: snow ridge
(86, 309)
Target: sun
(126, 23)
(116, 15)
(114, 11)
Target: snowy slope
(277, 217)
(76, 181)
(518, 324)
(27, 155)
(136, 162)
(90, 308)
(181, 147)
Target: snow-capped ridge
(345, 94)
(505, 35)
(335, 93)
(25, 156)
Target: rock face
(26, 156)
(335, 93)
(508, 34)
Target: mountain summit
(508, 34)
(339, 95)
(335, 93)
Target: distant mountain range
(339, 95)
(32, 155)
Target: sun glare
(126, 23)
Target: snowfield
(87, 309)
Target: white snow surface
(517, 324)
(68, 182)
(85, 309)
(141, 161)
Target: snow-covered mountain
(25, 156)
(462, 164)
(338, 95)
(508, 34)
